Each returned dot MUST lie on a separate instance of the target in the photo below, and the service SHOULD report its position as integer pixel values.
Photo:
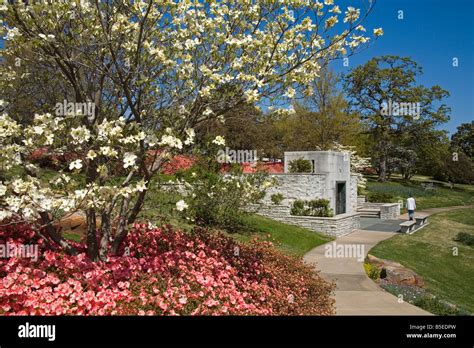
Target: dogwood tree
(134, 76)
(358, 164)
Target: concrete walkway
(356, 293)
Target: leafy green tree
(393, 106)
(464, 139)
(456, 167)
(321, 118)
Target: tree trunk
(382, 168)
(137, 207)
(406, 175)
(92, 247)
(91, 240)
(54, 235)
(105, 235)
(122, 227)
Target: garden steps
(369, 212)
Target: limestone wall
(352, 206)
(336, 168)
(390, 211)
(337, 226)
(297, 186)
(309, 187)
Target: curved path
(356, 293)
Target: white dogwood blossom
(219, 140)
(181, 205)
(91, 154)
(3, 189)
(357, 163)
(352, 14)
(129, 159)
(77, 164)
(191, 134)
(80, 134)
(378, 31)
(171, 141)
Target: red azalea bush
(162, 272)
(178, 162)
(256, 167)
(175, 164)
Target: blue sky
(431, 33)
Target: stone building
(330, 179)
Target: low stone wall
(336, 226)
(390, 211)
(370, 205)
(361, 200)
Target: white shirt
(411, 203)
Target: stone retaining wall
(361, 200)
(390, 211)
(311, 186)
(371, 205)
(336, 226)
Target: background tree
(463, 139)
(389, 79)
(321, 119)
(456, 168)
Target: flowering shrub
(175, 163)
(221, 200)
(178, 162)
(316, 207)
(255, 167)
(160, 272)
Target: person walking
(411, 206)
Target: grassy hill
(430, 253)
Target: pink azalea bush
(162, 272)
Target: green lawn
(440, 196)
(429, 252)
(289, 239)
(159, 208)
